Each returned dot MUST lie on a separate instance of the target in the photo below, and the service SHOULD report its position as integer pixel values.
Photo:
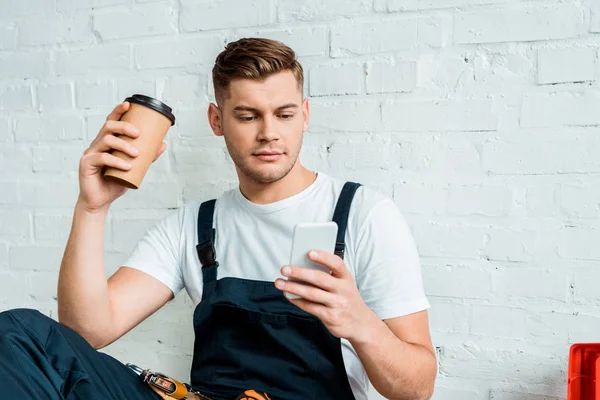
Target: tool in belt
(177, 390)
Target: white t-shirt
(254, 241)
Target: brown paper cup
(153, 119)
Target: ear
(215, 119)
(306, 114)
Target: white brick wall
(479, 117)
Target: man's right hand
(97, 193)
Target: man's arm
(99, 310)
(399, 357)
(397, 354)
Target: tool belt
(169, 388)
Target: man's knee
(26, 316)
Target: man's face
(263, 123)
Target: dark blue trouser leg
(41, 359)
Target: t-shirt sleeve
(388, 270)
(157, 253)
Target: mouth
(269, 155)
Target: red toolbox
(584, 372)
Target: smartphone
(312, 236)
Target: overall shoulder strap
(206, 241)
(340, 215)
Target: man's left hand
(333, 298)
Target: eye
(286, 116)
(246, 118)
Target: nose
(268, 129)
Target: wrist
(82, 208)
(368, 330)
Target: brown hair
(256, 59)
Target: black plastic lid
(153, 104)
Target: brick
(585, 283)
(434, 31)
(352, 116)
(6, 131)
(527, 24)
(500, 394)
(493, 321)
(104, 59)
(191, 124)
(503, 244)
(55, 30)
(16, 98)
(137, 21)
(580, 201)
(515, 158)
(58, 159)
(9, 192)
(135, 85)
(207, 191)
(391, 77)
(55, 97)
(575, 242)
(188, 159)
(185, 89)
(95, 94)
(373, 37)
(469, 282)
(11, 287)
(16, 159)
(93, 124)
(7, 36)
(420, 199)
(179, 53)
(49, 193)
(150, 195)
(43, 286)
(126, 232)
(560, 109)
(566, 65)
(454, 157)
(69, 5)
(53, 229)
(25, 65)
(450, 115)
(449, 317)
(15, 226)
(359, 154)
(534, 284)
(224, 14)
(491, 201)
(3, 257)
(445, 393)
(35, 258)
(49, 128)
(337, 79)
(541, 200)
(305, 41)
(310, 10)
(21, 8)
(415, 5)
(436, 239)
(595, 23)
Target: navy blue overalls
(249, 336)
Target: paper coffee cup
(153, 118)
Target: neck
(298, 179)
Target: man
(365, 321)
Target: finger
(162, 148)
(331, 261)
(105, 159)
(316, 309)
(120, 128)
(110, 142)
(313, 277)
(307, 292)
(118, 111)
